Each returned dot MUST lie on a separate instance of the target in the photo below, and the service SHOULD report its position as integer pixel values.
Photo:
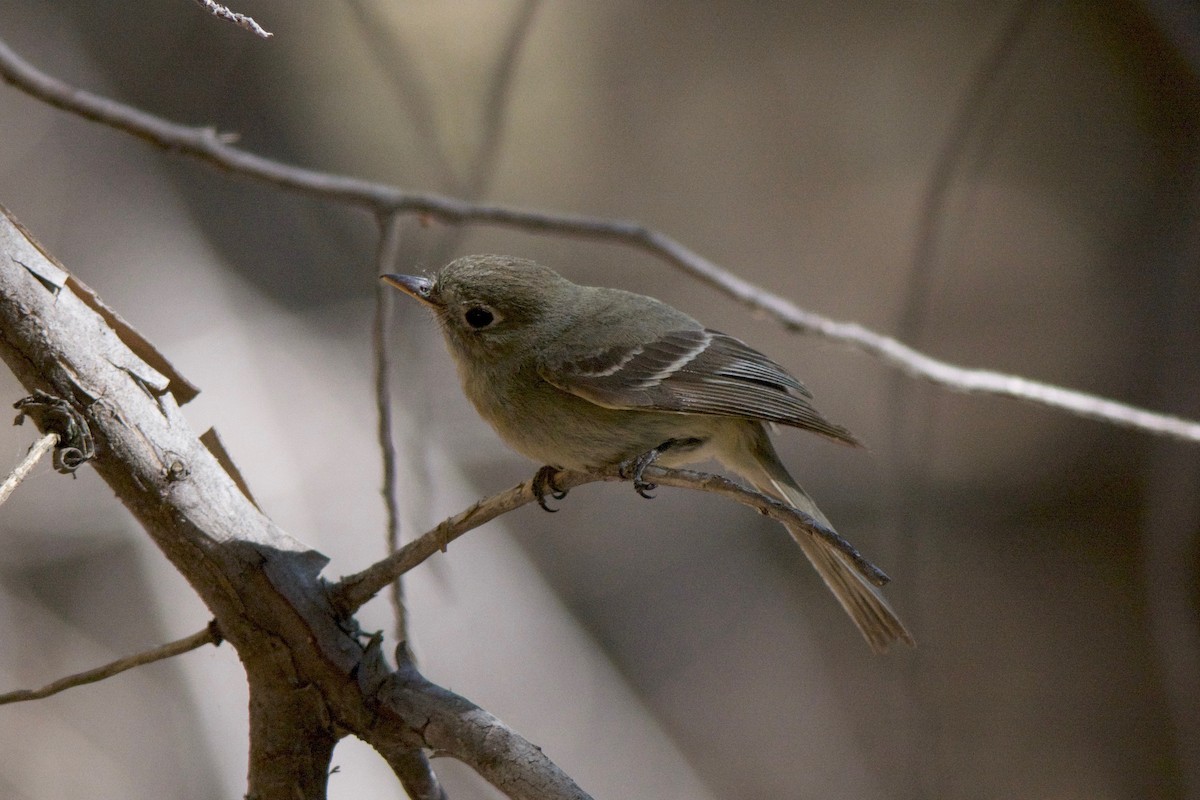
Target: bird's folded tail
(862, 601)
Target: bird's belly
(557, 428)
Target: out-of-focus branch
(481, 170)
(241, 20)
(36, 450)
(209, 635)
(483, 166)
(353, 590)
(404, 77)
(949, 160)
(216, 149)
(385, 257)
(411, 89)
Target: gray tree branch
(450, 723)
(207, 145)
(312, 680)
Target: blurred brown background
(1005, 185)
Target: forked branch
(311, 679)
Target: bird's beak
(412, 285)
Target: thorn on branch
(54, 415)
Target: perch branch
(352, 591)
(209, 635)
(207, 145)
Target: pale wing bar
(694, 371)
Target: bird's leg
(543, 480)
(634, 467)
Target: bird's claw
(543, 484)
(633, 469)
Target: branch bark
(450, 723)
(216, 149)
(311, 679)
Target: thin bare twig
(241, 20)
(213, 148)
(385, 258)
(352, 591)
(209, 635)
(36, 451)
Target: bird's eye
(479, 317)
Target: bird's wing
(692, 371)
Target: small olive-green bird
(584, 377)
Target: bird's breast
(551, 426)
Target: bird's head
(490, 306)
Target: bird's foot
(634, 467)
(543, 484)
